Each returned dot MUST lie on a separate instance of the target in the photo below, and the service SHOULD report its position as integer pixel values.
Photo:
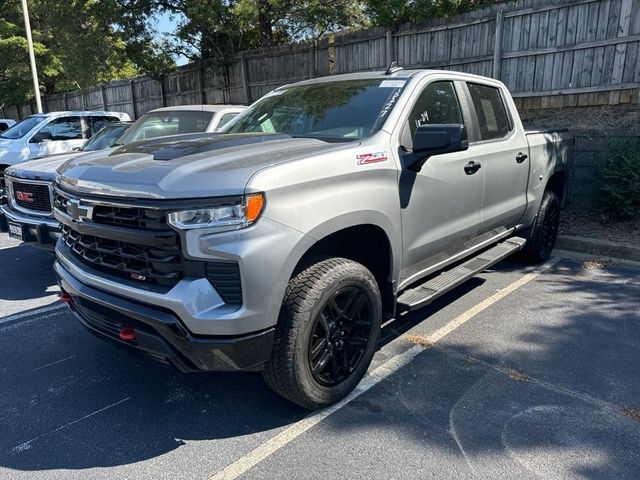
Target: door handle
(472, 167)
(521, 157)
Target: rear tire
(544, 230)
(327, 333)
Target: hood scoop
(170, 150)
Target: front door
(441, 203)
(62, 136)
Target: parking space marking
(248, 461)
(27, 445)
(32, 313)
(54, 363)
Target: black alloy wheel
(340, 336)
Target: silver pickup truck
(328, 206)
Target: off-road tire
(544, 230)
(309, 292)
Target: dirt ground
(594, 225)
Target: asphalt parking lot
(534, 373)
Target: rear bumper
(41, 231)
(159, 335)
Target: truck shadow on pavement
(550, 392)
(70, 401)
(25, 273)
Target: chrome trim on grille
(12, 201)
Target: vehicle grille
(162, 266)
(39, 195)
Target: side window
(98, 121)
(437, 104)
(65, 128)
(3, 126)
(226, 118)
(492, 114)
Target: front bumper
(41, 231)
(159, 335)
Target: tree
(77, 43)
(391, 13)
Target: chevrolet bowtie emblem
(78, 211)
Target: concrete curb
(598, 247)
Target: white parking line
(32, 313)
(243, 464)
(54, 363)
(27, 445)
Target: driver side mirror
(41, 137)
(431, 140)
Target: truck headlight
(224, 217)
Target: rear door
(441, 203)
(502, 150)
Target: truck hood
(218, 165)
(44, 168)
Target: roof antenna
(393, 68)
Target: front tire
(327, 333)
(544, 230)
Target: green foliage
(391, 13)
(620, 190)
(78, 43)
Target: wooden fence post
(497, 45)
(203, 94)
(66, 101)
(245, 78)
(132, 93)
(311, 59)
(162, 92)
(389, 56)
(103, 92)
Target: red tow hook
(65, 298)
(127, 333)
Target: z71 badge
(376, 157)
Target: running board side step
(426, 293)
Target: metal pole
(32, 57)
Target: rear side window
(493, 120)
(65, 128)
(96, 122)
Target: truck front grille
(158, 265)
(162, 266)
(32, 196)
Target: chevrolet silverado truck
(329, 206)
(27, 213)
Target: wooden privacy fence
(549, 53)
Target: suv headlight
(223, 217)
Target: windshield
(160, 124)
(19, 130)
(105, 138)
(342, 110)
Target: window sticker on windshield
(392, 84)
(389, 105)
(365, 158)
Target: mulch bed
(594, 225)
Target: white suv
(51, 133)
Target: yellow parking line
(243, 464)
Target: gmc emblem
(24, 197)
